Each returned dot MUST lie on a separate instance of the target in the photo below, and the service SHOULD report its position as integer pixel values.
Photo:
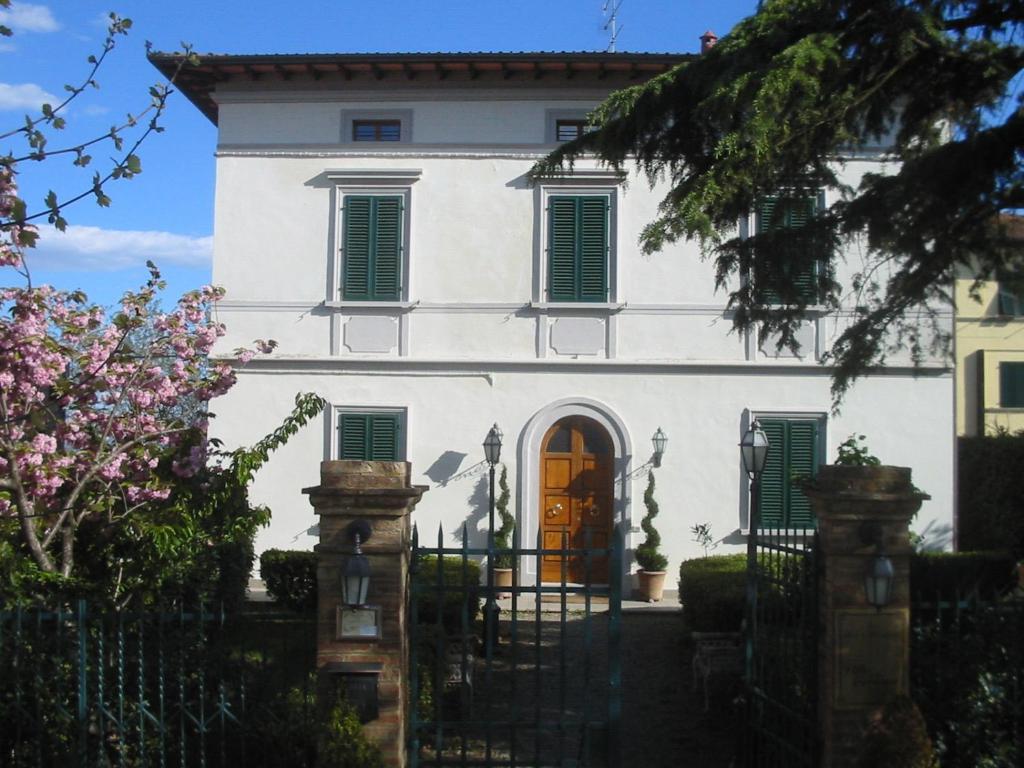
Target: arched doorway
(576, 497)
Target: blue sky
(166, 213)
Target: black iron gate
(538, 683)
(781, 650)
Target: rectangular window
(372, 247)
(1011, 385)
(793, 455)
(1010, 301)
(578, 247)
(797, 249)
(567, 130)
(376, 130)
(371, 436)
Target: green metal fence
(82, 686)
(782, 651)
(541, 685)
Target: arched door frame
(528, 485)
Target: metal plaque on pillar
(358, 623)
(870, 665)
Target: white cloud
(24, 96)
(25, 17)
(93, 110)
(104, 250)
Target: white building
(374, 217)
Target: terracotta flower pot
(652, 584)
(502, 578)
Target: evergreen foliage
(647, 554)
(990, 507)
(290, 576)
(503, 536)
(772, 110)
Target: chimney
(707, 41)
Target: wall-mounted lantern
(355, 576)
(660, 440)
(878, 571)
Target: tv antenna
(612, 27)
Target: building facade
(374, 217)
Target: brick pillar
(378, 493)
(863, 652)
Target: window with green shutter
(371, 436)
(775, 214)
(372, 247)
(1010, 302)
(1011, 385)
(578, 247)
(793, 454)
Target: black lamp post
(660, 440)
(492, 453)
(754, 452)
(355, 577)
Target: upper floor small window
(569, 130)
(376, 130)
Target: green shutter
(356, 248)
(795, 215)
(593, 248)
(387, 262)
(773, 479)
(562, 249)
(1011, 385)
(802, 450)
(1010, 301)
(372, 248)
(370, 437)
(578, 248)
(354, 433)
(792, 455)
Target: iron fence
(542, 684)
(782, 651)
(177, 686)
(967, 676)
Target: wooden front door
(576, 497)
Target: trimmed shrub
(454, 595)
(948, 575)
(712, 591)
(290, 576)
(503, 536)
(990, 513)
(897, 738)
(647, 554)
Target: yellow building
(989, 358)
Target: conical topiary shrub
(647, 554)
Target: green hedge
(990, 512)
(946, 575)
(712, 591)
(290, 576)
(453, 577)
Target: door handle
(554, 510)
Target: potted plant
(503, 536)
(652, 563)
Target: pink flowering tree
(107, 482)
(87, 417)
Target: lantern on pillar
(355, 576)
